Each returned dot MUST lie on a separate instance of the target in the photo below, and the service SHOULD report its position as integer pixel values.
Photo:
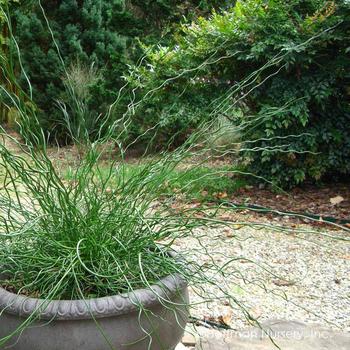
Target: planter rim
(121, 304)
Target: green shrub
(100, 33)
(303, 89)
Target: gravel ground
(310, 270)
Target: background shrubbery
(292, 117)
(101, 33)
(308, 41)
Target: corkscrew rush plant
(104, 233)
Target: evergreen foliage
(98, 33)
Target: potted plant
(86, 254)
(87, 263)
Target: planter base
(155, 316)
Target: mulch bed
(327, 201)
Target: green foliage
(194, 182)
(100, 33)
(204, 183)
(5, 7)
(81, 31)
(302, 90)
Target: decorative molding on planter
(22, 306)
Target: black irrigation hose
(264, 210)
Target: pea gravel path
(312, 270)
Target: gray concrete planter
(85, 325)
